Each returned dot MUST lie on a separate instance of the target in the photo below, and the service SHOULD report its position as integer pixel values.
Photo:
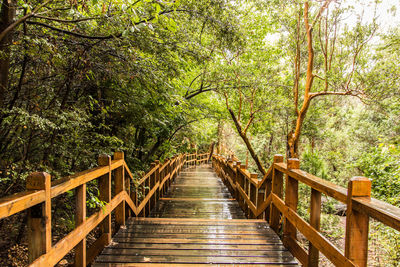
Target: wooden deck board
(196, 223)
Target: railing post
(291, 199)
(357, 223)
(277, 189)
(80, 217)
(39, 217)
(105, 195)
(315, 214)
(119, 187)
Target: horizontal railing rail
(131, 198)
(265, 199)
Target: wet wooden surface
(198, 223)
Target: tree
(337, 65)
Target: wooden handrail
(24, 200)
(40, 191)
(264, 199)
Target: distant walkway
(197, 222)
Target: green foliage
(312, 163)
(382, 165)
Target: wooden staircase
(197, 222)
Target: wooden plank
(199, 241)
(203, 231)
(318, 240)
(197, 221)
(179, 246)
(209, 236)
(199, 259)
(194, 199)
(187, 265)
(195, 252)
(210, 227)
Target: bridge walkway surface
(196, 223)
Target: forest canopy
(315, 80)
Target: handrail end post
(39, 217)
(357, 223)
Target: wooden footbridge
(185, 212)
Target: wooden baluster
(147, 190)
(153, 178)
(268, 186)
(357, 223)
(291, 199)
(128, 211)
(277, 189)
(162, 175)
(157, 162)
(105, 195)
(253, 193)
(39, 217)
(315, 214)
(236, 180)
(80, 217)
(260, 199)
(119, 187)
(168, 171)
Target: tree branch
(79, 35)
(19, 21)
(65, 20)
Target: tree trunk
(248, 144)
(7, 17)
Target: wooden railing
(196, 159)
(263, 198)
(124, 202)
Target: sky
(387, 12)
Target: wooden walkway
(199, 223)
